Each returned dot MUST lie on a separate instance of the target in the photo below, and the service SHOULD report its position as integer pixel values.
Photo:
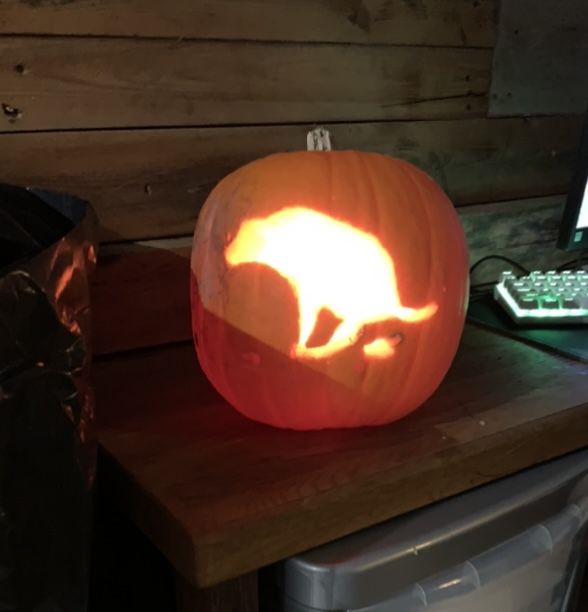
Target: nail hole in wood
(11, 112)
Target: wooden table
(221, 496)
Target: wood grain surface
(427, 22)
(151, 183)
(540, 58)
(140, 291)
(61, 83)
(221, 496)
(524, 231)
(140, 295)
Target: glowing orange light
(380, 348)
(329, 264)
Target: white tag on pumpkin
(318, 139)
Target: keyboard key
(549, 303)
(521, 298)
(528, 304)
(506, 275)
(569, 302)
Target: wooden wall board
(140, 295)
(141, 290)
(426, 22)
(150, 183)
(540, 58)
(524, 231)
(63, 83)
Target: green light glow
(538, 313)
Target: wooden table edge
(533, 442)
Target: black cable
(500, 258)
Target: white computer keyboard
(544, 297)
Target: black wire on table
(508, 260)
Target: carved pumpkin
(328, 289)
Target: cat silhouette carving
(330, 265)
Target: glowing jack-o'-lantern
(328, 288)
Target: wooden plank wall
(540, 58)
(141, 106)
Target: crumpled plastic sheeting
(47, 448)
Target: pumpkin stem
(318, 139)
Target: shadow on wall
(141, 295)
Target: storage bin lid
(378, 563)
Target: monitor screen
(574, 226)
(583, 217)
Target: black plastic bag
(47, 447)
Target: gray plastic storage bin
(511, 546)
